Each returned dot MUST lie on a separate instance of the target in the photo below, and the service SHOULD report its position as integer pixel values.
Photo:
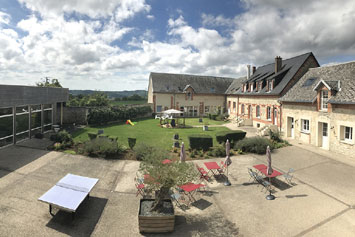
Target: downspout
(280, 116)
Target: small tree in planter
(165, 176)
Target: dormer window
(252, 87)
(188, 95)
(270, 85)
(324, 100)
(260, 86)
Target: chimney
(248, 72)
(254, 69)
(278, 64)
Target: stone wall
(77, 115)
(341, 115)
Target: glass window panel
(21, 123)
(21, 109)
(35, 119)
(47, 116)
(6, 126)
(5, 111)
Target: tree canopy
(47, 82)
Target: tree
(46, 82)
(164, 176)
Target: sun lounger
(68, 193)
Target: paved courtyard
(320, 203)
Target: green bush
(131, 142)
(213, 116)
(217, 151)
(275, 136)
(92, 135)
(232, 136)
(254, 145)
(142, 150)
(200, 141)
(102, 136)
(102, 147)
(64, 138)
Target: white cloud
(120, 9)
(4, 18)
(220, 20)
(86, 55)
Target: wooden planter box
(156, 224)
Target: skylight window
(309, 82)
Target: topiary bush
(200, 141)
(253, 145)
(92, 135)
(131, 142)
(232, 136)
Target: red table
(263, 169)
(212, 166)
(189, 189)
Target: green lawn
(195, 121)
(148, 131)
(128, 102)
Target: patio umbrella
(269, 171)
(182, 152)
(227, 161)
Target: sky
(114, 44)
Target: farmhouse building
(320, 108)
(192, 94)
(255, 101)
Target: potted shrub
(157, 215)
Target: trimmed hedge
(200, 141)
(110, 114)
(232, 136)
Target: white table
(68, 193)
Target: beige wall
(338, 117)
(262, 101)
(168, 101)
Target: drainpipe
(280, 116)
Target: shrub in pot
(163, 178)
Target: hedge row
(199, 142)
(110, 114)
(232, 136)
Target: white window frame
(252, 87)
(207, 109)
(234, 104)
(305, 126)
(323, 103)
(257, 111)
(346, 136)
(268, 113)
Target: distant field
(128, 102)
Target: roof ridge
(335, 64)
(194, 75)
(287, 59)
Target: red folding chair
(223, 168)
(139, 187)
(203, 173)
